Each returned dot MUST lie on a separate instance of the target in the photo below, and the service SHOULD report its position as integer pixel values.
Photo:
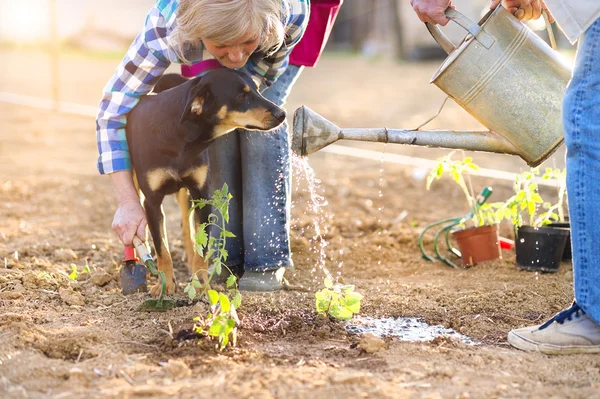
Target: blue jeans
(581, 118)
(257, 168)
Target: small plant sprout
(337, 300)
(526, 199)
(460, 171)
(556, 212)
(74, 274)
(222, 320)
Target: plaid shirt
(149, 56)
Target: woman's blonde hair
(226, 21)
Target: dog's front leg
(187, 225)
(156, 223)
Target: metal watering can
(504, 75)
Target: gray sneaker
(268, 281)
(569, 332)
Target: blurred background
(58, 54)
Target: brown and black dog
(167, 134)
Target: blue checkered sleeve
(140, 69)
(270, 68)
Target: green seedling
(556, 212)
(221, 322)
(460, 171)
(337, 300)
(525, 201)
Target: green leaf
(237, 300)
(199, 250)
(224, 302)
(191, 292)
(531, 208)
(223, 253)
(213, 297)
(202, 236)
(230, 281)
(322, 300)
(228, 234)
(197, 284)
(341, 313)
(224, 340)
(73, 275)
(216, 328)
(537, 198)
(328, 283)
(346, 289)
(217, 265)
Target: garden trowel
(133, 274)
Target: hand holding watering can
(432, 11)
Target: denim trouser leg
(257, 169)
(225, 166)
(581, 118)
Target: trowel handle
(141, 249)
(472, 27)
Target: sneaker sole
(524, 344)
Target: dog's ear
(199, 96)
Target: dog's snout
(279, 115)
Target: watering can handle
(479, 34)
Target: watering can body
(508, 79)
(505, 76)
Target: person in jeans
(257, 169)
(576, 329)
(255, 36)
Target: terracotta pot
(478, 244)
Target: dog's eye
(242, 96)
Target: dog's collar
(200, 68)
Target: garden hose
(429, 226)
(449, 224)
(446, 229)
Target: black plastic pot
(540, 248)
(567, 254)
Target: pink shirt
(310, 47)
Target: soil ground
(75, 339)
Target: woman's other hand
(432, 11)
(524, 9)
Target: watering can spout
(313, 132)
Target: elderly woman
(255, 36)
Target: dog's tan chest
(158, 178)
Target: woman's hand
(130, 218)
(524, 9)
(432, 11)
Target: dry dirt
(63, 339)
